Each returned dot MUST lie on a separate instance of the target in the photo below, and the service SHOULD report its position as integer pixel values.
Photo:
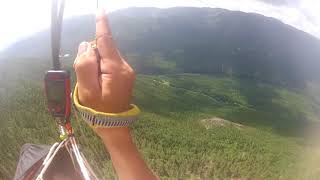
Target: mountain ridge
(136, 9)
(197, 40)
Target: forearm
(105, 83)
(124, 155)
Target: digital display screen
(56, 92)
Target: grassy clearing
(271, 144)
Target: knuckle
(78, 65)
(131, 72)
(84, 62)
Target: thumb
(86, 68)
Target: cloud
(301, 14)
(281, 2)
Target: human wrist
(91, 100)
(98, 119)
(115, 138)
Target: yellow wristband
(102, 119)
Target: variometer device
(58, 90)
(57, 81)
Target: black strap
(56, 26)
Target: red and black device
(58, 92)
(57, 81)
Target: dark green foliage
(170, 133)
(269, 132)
(197, 40)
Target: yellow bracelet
(102, 119)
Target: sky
(22, 18)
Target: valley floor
(192, 127)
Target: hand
(104, 84)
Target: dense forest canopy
(223, 94)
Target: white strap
(49, 159)
(53, 147)
(83, 168)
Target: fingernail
(82, 48)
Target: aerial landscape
(224, 94)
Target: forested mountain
(197, 40)
(208, 88)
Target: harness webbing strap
(53, 151)
(79, 161)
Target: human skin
(105, 84)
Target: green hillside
(192, 126)
(224, 94)
(197, 40)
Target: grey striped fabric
(107, 121)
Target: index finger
(105, 43)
